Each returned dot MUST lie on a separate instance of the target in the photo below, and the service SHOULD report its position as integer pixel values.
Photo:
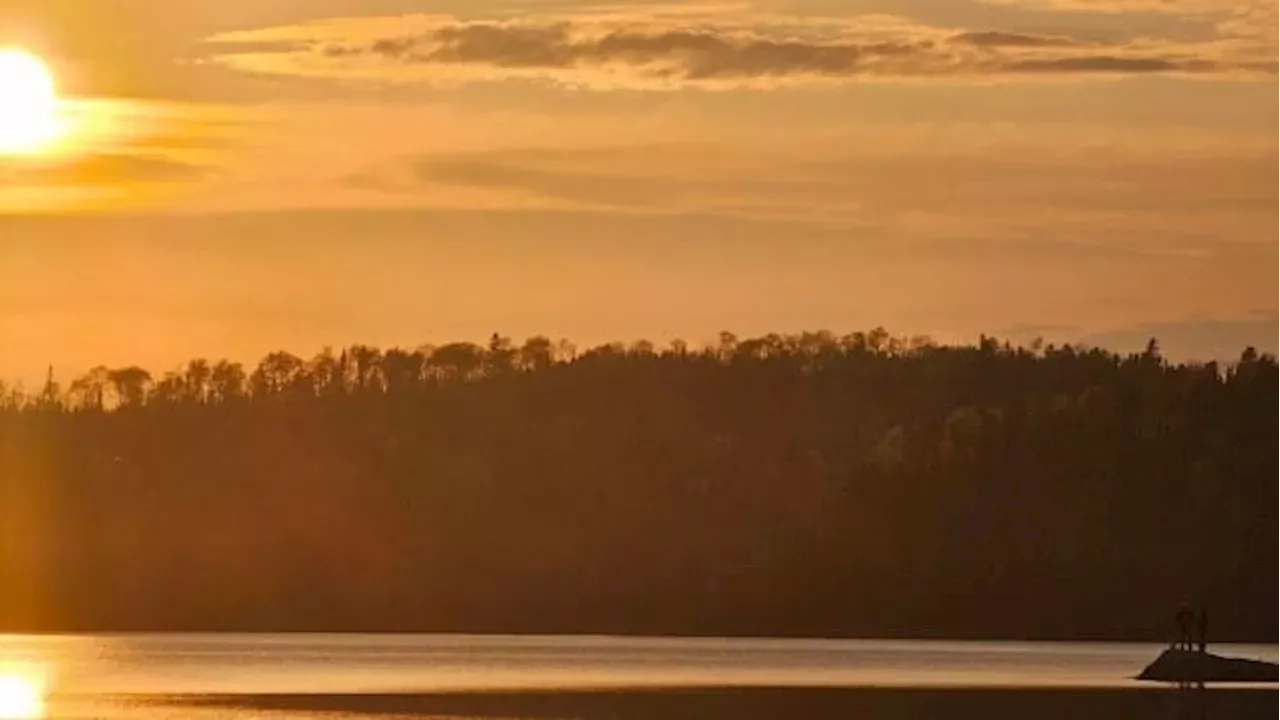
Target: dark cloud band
(709, 53)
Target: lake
(236, 677)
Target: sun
(28, 103)
(21, 698)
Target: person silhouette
(1185, 618)
(1202, 630)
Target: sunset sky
(238, 176)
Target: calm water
(81, 674)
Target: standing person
(1202, 630)
(1185, 619)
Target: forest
(810, 484)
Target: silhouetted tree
(130, 385)
(50, 392)
(501, 356)
(537, 353)
(89, 391)
(456, 362)
(402, 371)
(276, 373)
(197, 380)
(227, 381)
(171, 389)
(802, 483)
(363, 364)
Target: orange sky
(250, 175)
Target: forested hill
(793, 485)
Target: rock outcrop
(1190, 666)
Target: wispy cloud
(713, 51)
(1233, 19)
(1083, 201)
(1203, 339)
(117, 154)
(99, 169)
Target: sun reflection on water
(22, 695)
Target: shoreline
(1103, 639)
(750, 703)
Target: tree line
(805, 484)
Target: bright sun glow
(28, 103)
(21, 698)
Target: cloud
(98, 169)
(993, 38)
(1103, 201)
(1105, 64)
(1194, 8)
(606, 51)
(1197, 339)
(1177, 7)
(1201, 339)
(648, 179)
(1256, 19)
